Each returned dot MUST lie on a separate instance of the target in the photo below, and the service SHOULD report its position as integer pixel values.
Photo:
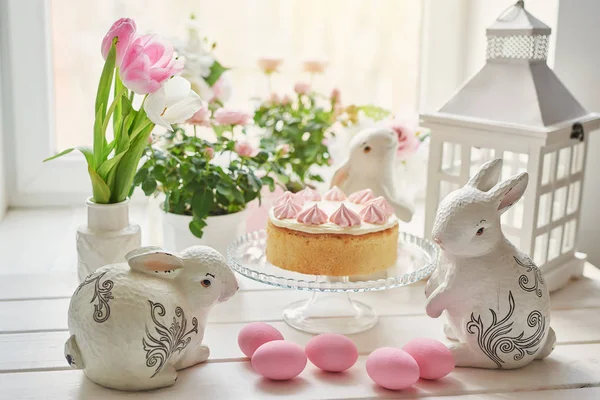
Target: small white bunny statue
(371, 165)
(495, 298)
(133, 325)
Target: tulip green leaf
(216, 70)
(100, 189)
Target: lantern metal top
(517, 21)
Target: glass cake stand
(330, 308)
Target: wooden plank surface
(570, 366)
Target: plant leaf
(106, 80)
(216, 70)
(109, 164)
(196, 226)
(100, 189)
(374, 112)
(62, 153)
(118, 114)
(202, 202)
(98, 139)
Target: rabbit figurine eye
(367, 149)
(206, 283)
(480, 231)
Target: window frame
(27, 64)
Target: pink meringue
(287, 209)
(372, 214)
(334, 194)
(288, 196)
(312, 216)
(345, 217)
(382, 203)
(361, 197)
(309, 194)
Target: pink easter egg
(331, 352)
(392, 368)
(254, 335)
(434, 358)
(279, 360)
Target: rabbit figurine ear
(341, 175)
(153, 260)
(487, 176)
(510, 191)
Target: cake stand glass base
(330, 313)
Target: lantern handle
(505, 17)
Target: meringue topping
(373, 214)
(309, 194)
(382, 203)
(289, 196)
(344, 217)
(361, 197)
(312, 216)
(287, 209)
(334, 194)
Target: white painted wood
(44, 351)
(569, 367)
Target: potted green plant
(134, 65)
(206, 184)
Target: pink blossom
(222, 89)
(244, 149)
(314, 66)
(225, 116)
(274, 99)
(286, 100)
(124, 30)
(284, 149)
(210, 152)
(147, 63)
(302, 88)
(269, 65)
(336, 96)
(408, 142)
(201, 117)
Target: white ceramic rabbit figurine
(497, 304)
(134, 325)
(371, 165)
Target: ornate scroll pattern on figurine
(496, 338)
(524, 279)
(170, 340)
(102, 294)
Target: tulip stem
(111, 109)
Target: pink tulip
(124, 30)
(269, 65)
(201, 117)
(302, 88)
(314, 66)
(408, 142)
(147, 63)
(210, 152)
(232, 117)
(244, 149)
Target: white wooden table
(34, 297)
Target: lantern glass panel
(574, 193)
(479, 156)
(543, 210)
(564, 162)
(451, 158)
(539, 253)
(569, 238)
(548, 168)
(559, 203)
(447, 187)
(577, 163)
(555, 243)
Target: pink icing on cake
(334, 194)
(344, 217)
(287, 209)
(361, 197)
(309, 194)
(289, 196)
(382, 203)
(372, 214)
(312, 216)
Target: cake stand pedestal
(331, 309)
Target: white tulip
(173, 103)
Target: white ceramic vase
(106, 238)
(219, 232)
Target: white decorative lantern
(516, 108)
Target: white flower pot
(219, 232)
(106, 238)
